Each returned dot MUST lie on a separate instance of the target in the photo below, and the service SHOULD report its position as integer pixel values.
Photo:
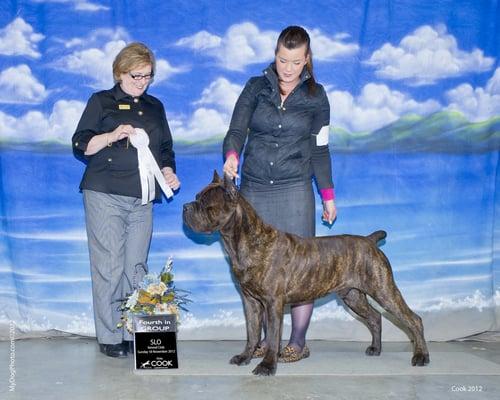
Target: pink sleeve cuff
(232, 153)
(327, 194)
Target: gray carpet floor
(73, 368)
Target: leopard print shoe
(260, 351)
(289, 354)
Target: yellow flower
(146, 297)
(168, 298)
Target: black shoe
(114, 350)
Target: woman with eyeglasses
(282, 120)
(119, 226)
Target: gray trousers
(119, 233)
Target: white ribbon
(148, 168)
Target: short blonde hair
(132, 56)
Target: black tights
(301, 316)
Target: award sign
(155, 342)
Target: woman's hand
(170, 178)
(329, 211)
(99, 142)
(121, 132)
(231, 166)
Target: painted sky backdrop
(379, 61)
(414, 87)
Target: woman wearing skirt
(284, 116)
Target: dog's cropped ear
(216, 178)
(230, 187)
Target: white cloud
(88, 6)
(203, 123)
(18, 85)
(165, 70)
(97, 37)
(19, 39)
(214, 114)
(477, 104)
(200, 41)
(245, 44)
(79, 5)
(35, 126)
(95, 60)
(325, 48)
(95, 63)
(425, 56)
(242, 44)
(64, 119)
(493, 85)
(376, 106)
(222, 94)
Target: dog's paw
(264, 369)
(240, 359)
(420, 359)
(372, 351)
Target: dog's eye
(207, 207)
(203, 203)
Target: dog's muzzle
(187, 212)
(187, 208)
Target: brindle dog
(275, 268)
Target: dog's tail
(377, 236)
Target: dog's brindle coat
(275, 268)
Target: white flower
(161, 308)
(158, 288)
(168, 266)
(129, 324)
(173, 309)
(132, 300)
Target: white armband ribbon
(322, 136)
(148, 168)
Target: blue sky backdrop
(414, 87)
(378, 63)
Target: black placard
(155, 342)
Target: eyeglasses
(138, 77)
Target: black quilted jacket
(281, 143)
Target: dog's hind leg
(253, 315)
(357, 302)
(391, 300)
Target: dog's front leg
(274, 315)
(253, 314)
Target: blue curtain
(414, 88)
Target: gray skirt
(289, 208)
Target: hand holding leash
(329, 211)
(231, 166)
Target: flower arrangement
(155, 295)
